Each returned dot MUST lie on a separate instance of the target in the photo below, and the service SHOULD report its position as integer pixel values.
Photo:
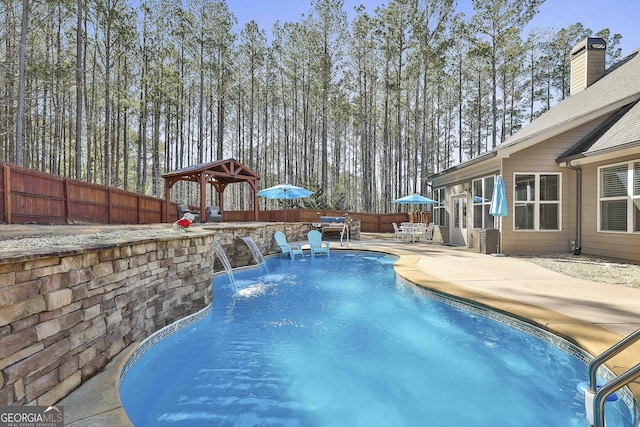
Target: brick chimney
(587, 63)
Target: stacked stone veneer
(64, 315)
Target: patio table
(413, 229)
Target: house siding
(601, 243)
(536, 160)
(540, 158)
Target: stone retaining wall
(65, 314)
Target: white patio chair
(419, 231)
(398, 233)
(429, 233)
(408, 229)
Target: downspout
(578, 246)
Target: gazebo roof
(219, 174)
(222, 171)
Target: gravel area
(590, 268)
(17, 244)
(23, 238)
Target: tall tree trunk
(201, 107)
(22, 53)
(90, 104)
(107, 106)
(125, 136)
(79, 87)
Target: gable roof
(621, 130)
(619, 86)
(222, 172)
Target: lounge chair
(316, 244)
(214, 214)
(292, 249)
(183, 209)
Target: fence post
(108, 205)
(7, 194)
(67, 220)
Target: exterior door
(459, 221)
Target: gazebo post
(167, 198)
(203, 196)
(254, 185)
(220, 198)
(219, 186)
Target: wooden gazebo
(219, 174)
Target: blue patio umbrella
(415, 199)
(499, 203)
(499, 200)
(285, 192)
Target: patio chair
(183, 209)
(316, 244)
(429, 233)
(398, 233)
(292, 249)
(214, 214)
(419, 231)
(407, 229)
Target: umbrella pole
(499, 245)
(285, 216)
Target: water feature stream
(255, 251)
(222, 256)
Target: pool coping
(97, 403)
(591, 338)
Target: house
(572, 176)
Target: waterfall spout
(255, 251)
(222, 256)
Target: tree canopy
(118, 92)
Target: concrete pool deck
(592, 315)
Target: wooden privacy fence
(369, 223)
(29, 196)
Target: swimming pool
(341, 341)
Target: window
(439, 210)
(537, 201)
(619, 197)
(482, 194)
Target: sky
(620, 16)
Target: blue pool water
(341, 342)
